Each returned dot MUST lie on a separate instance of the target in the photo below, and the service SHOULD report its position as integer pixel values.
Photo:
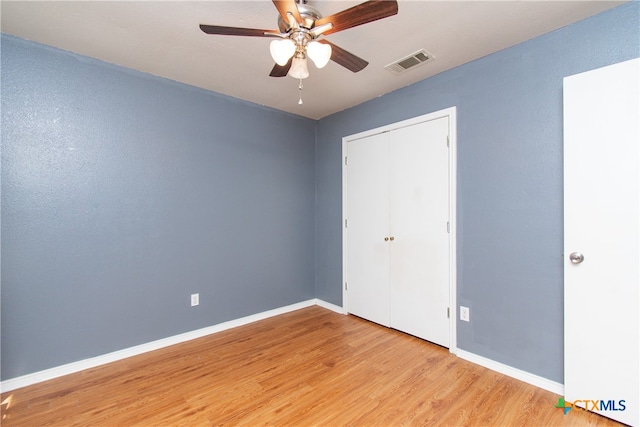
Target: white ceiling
(163, 38)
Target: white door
(419, 211)
(602, 240)
(367, 228)
(397, 263)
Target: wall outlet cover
(464, 313)
(195, 300)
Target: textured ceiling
(163, 38)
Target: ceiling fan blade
(237, 31)
(344, 58)
(281, 70)
(285, 6)
(363, 13)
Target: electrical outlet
(195, 299)
(464, 313)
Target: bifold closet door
(419, 211)
(397, 234)
(368, 226)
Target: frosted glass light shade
(282, 50)
(319, 53)
(299, 68)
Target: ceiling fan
(298, 35)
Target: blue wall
(509, 111)
(123, 193)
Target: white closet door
(368, 225)
(419, 211)
(602, 240)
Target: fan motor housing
(308, 14)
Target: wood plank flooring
(308, 367)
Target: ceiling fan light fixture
(300, 25)
(319, 53)
(299, 68)
(282, 50)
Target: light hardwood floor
(308, 367)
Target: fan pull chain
(300, 88)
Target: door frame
(449, 113)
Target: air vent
(415, 59)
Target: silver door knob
(576, 257)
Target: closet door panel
(419, 211)
(368, 225)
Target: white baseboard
(70, 368)
(518, 374)
(330, 306)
